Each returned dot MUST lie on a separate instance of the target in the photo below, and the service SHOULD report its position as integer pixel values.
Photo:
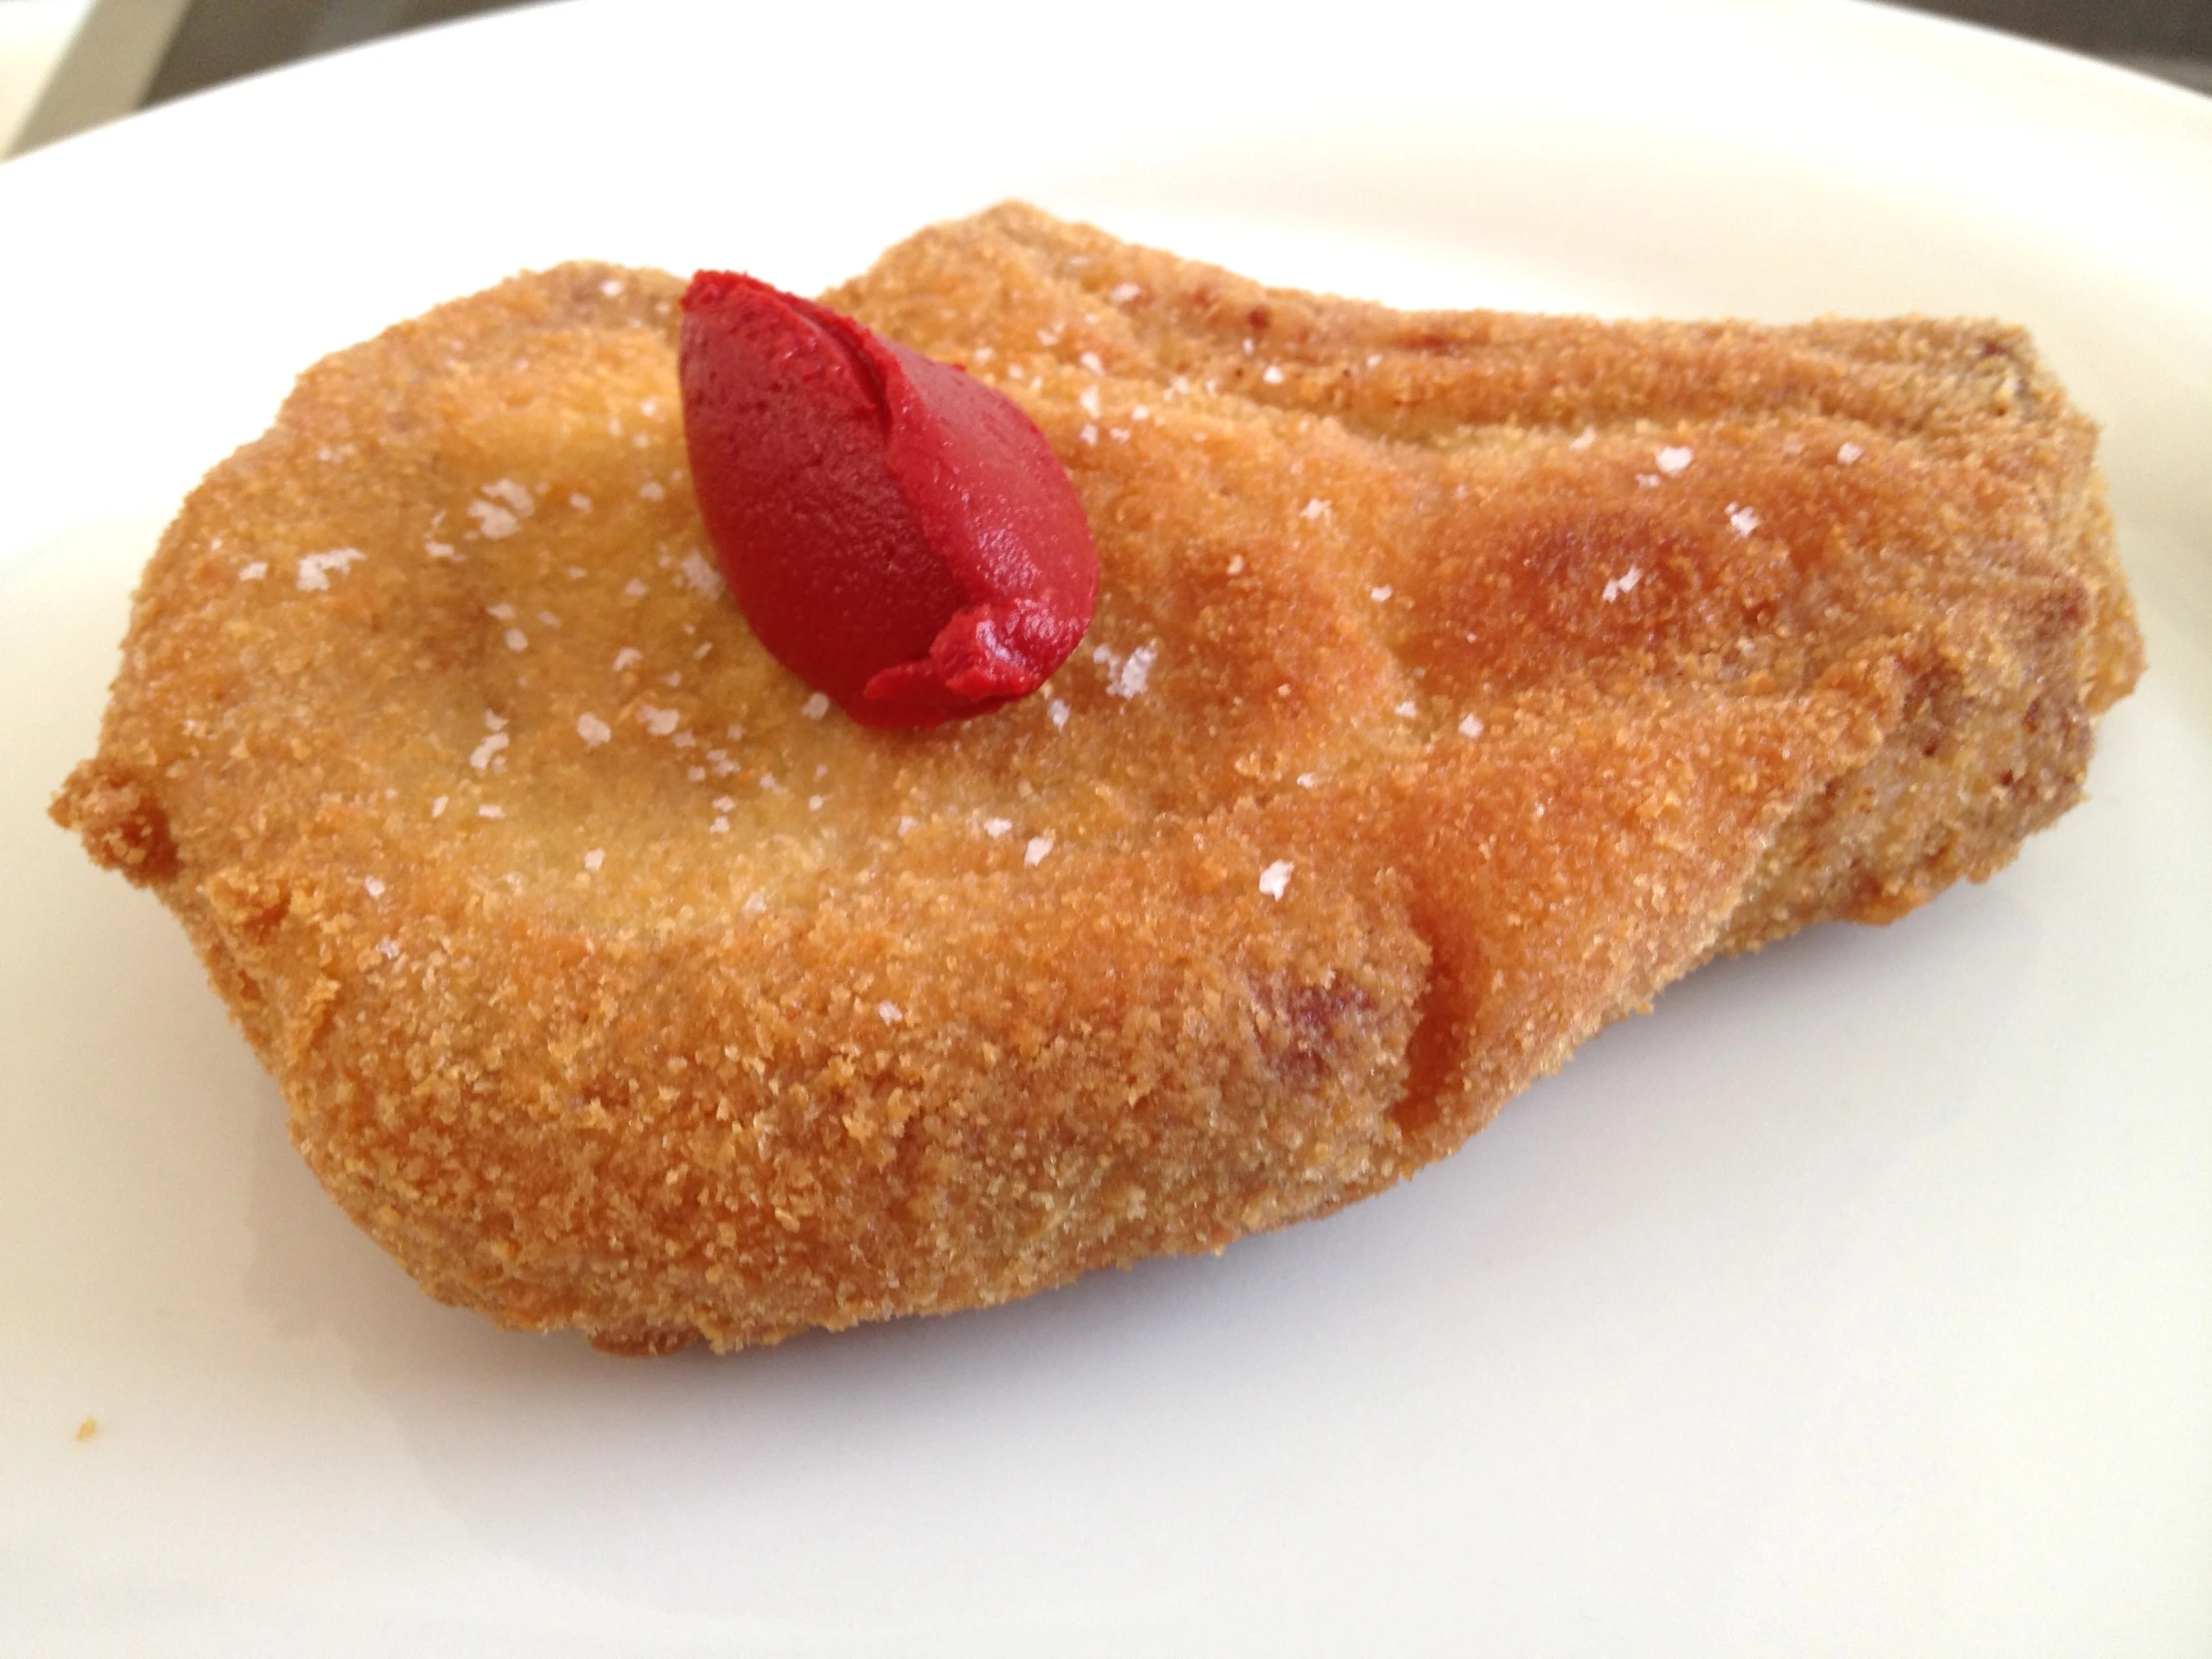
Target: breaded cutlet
(1457, 680)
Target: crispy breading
(1457, 681)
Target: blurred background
(66, 65)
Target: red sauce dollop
(899, 535)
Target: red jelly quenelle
(899, 535)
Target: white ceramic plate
(1858, 1301)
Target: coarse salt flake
(700, 576)
(1122, 293)
(513, 495)
(997, 826)
(1674, 460)
(1743, 520)
(1034, 853)
(439, 549)
(373, 888)
(814, 707)
(480, 757)
(634, 589)
(1057, 712)
(1584, 438)
(595, 858)
(1090, 360)
(493, 522)
(437, 806)
(660, 722)
(1275, 880)
(1133, 672)
(889, 1012)
(1088, 398)
(254, 571)
(1471, 725)
(1316, 508)
(1381, 595)
(516, 639)
(1625, 582)
(489, 811)
(651, 489)
(1272, 376)
(1848, 452)
(580, 501)
(1089, 433)
(720, 827)
(1408, 708)
(389, 948)
(316, 567)
(628, 658)
(593, 730)
(501, 612)
(754, 903)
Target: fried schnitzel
(1457, 680)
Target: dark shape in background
(2167, 38)
(134, 53)
(221, 40)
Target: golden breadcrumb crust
(1457, 681)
